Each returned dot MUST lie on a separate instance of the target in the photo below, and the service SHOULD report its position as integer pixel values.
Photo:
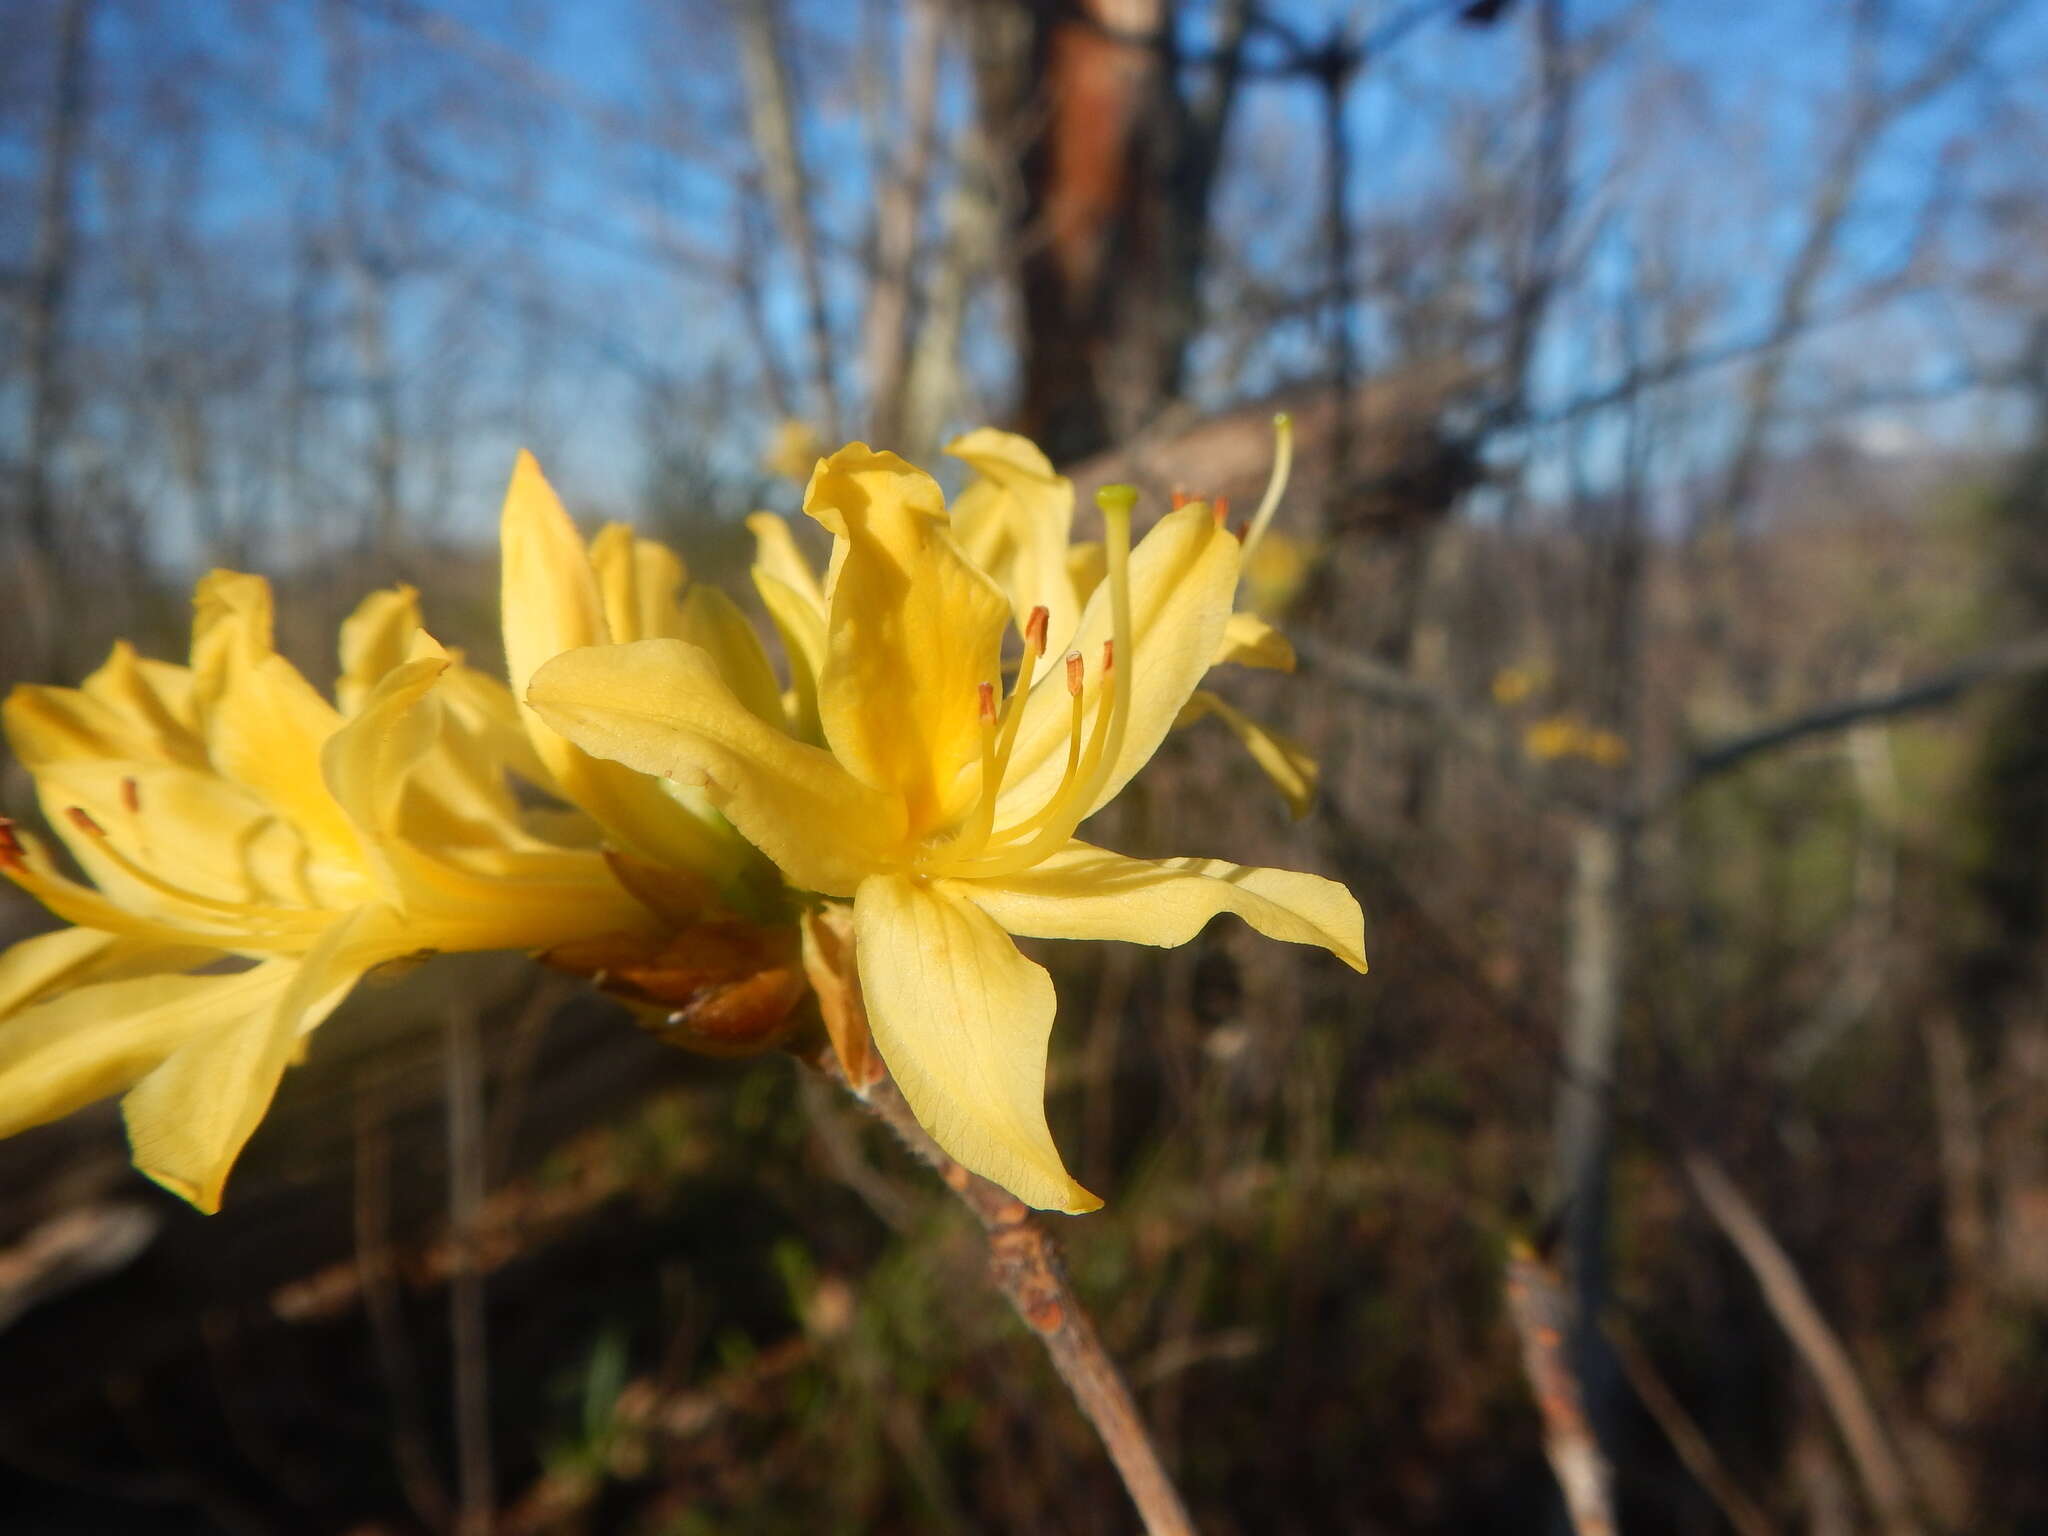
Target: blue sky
(528, 198)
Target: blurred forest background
(1668, 559)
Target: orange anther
(988, 701)
(131, 796)
(1074, 670)
(10, 846)
(82, 820)
(1035, 627)
(1181, 499)
(1108, 656)
(1220, 510)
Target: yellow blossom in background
(1516, 685)
(1561, 736)
(943, 805)
(1275, 572)
(792, 449)
(225, 814)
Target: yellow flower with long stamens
(946, 808)
(1015, 521)
(225, 813)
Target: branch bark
(1025, 1263)
(1542, 1316)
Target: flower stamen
(1276, 486)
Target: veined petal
(776, 554)
(374, 639)
(1249, 641)
(963, 1020)
(1085, 892)
(660, 707)
(1014, 522)
(1183, 575)
(915, 630)
(190, 1117)
(1290, 765)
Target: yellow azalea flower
(557, 594)
(1015, 521)
(226, 811)
(946, 811)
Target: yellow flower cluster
(718, 848)
(1561, 736)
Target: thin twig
(475, 1482)
(1785, 1293)
(1685, 1435)
(1929, 692)
(378, 1281)
(1026, 1265)
(1542, 1316)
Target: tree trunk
(1114, 167)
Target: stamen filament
(1276, 486)
(1079, 790)
(245, 915)
(999, 737)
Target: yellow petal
(550, 603)
(374, 639)
(156, 692)
(264, 724)
(963, 1020)
(1182, 577)
(191, 1116)
(1014, 522)
(832, 969)
(1290, 765)
(776, 554)
(193, 830)
(38, 967)
(638, 579)
(1087, 564)
(915, 631)
(1085, 892)
(1249, 641)
(62, 1054)
(366, 762)
(660, 707)
(714, 622)
(802, 628)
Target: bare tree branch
(1542, 1316)
(1785, 1293)
(1026, 1265)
